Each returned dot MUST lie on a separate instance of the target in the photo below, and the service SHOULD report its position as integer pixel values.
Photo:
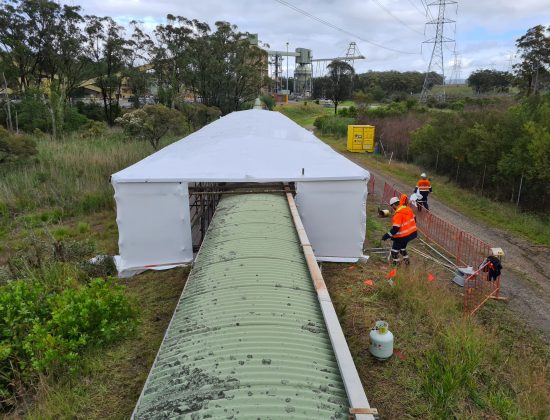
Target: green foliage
(534, 49)
(151, 123)
(91, 110)
(198, 115)
(33, 112)
(340, 78)
(483, 81)
(348, 112)
(93, 129)
(15, 147)
(268, 101)
(494, 150)
(73, 120)
(333, 125)
(391, 110)
(47, 321)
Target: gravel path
(526, 273)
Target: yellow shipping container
(361, 138)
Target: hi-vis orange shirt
(403, 219)
(423, 185)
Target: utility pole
(287, 59)
(436, 59)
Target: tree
(136, 73)
(483, 81)
(534, 49)
(151, 123)
(41, 42)
(109, 52)
(340, 74)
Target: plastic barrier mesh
(467, 249)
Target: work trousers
(399, 248)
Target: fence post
(459, 248)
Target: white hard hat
(394, 200)
(423, 175)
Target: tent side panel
(154, 225)
(334, 215)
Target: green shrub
(198, 115)
(14, 147)
(93, 129)
(92, 110)
(73, 120)
(333, 125)
(47, 322)
(32, 112)
(83, 227)
(268, 101)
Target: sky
(391, 34)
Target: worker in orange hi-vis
(403, 229)
(424, 188)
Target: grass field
(304, 113)
(445, 366)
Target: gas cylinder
(381, 341)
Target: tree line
(48, 50)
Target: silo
(303, 73)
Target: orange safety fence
(370, 185)
(478, 288)
(467, 249)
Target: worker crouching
(403, 229)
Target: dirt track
(526, 275)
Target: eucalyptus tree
(340, 75)
(109, 53)
(170, 56)
(534, 50)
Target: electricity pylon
(436, 60)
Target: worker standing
(424, 188)
(403, 229)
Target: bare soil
(525, 279)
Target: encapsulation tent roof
(245, 146)
(152, 196)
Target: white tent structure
(254, 146)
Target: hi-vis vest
(404, 219)
(423, 185)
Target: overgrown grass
(304, 113)
(445, 365)
(69, 176)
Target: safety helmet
(394, 200)
(423, 175)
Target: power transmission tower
(436, 59)
(457, 68)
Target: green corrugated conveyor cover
(247, 339)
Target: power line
(330, 25)
(396, 18)
(416, 7)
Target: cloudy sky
(390, 33)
